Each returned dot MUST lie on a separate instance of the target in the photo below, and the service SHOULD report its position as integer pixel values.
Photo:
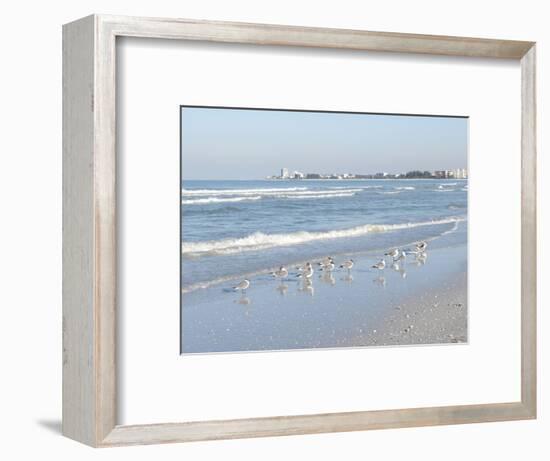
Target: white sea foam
(289, 196)
(203, 201)
(316, 196)
(388, 192)
(261, 241)
(310, 192)
(357, 187)
(239, 191)
(301, 191)
(404, 188)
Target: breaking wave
(261, 241)
(289, 195)
(313, 196)
(202, 201)
(239, 191)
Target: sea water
(237, 229)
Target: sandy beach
(419, 302)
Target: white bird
(308, 272)
(402, 256)
(421, 246)
(328, 267)
(326, 261)
(393, 253)
(347, 265)
(242, 286)
(281, 273)
(380, 265)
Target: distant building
(298, 175)
(284, 173)
(313, 176)
(461, 173)
(458, 173)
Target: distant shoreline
(334, 179)
(349, 179)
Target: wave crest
(239, 191)
(203, 201)
(261, 241)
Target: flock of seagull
(328, 265)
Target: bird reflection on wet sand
(421, 258)
(244, 300)
(380, 281)
(328, 278)
(400, 269)
(307, 287)
(282, 289)
(348, 278)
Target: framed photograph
(318, 255)
(275, 230)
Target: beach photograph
(317, 229)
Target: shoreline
(405, 243)
(360, 308)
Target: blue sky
(253, 144)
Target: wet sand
(419, 302)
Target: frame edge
(79, 322)
(529, 232)
(89, 230)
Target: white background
(157, 76)
(30, 248)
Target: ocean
(237, 229)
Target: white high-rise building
(284, 173)
(460, 173)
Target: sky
(222, 143)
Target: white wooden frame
(89, 230)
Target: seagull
(326, 261)
(380, 265)
(347, 265)
(421, 246)
(328, 267)
(281, 273)
(242, 286)
(402, 257)
(393, 253)
(308, 271)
